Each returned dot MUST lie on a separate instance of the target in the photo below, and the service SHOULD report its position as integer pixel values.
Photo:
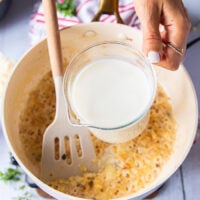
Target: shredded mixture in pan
(124, 168)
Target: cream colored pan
(35, 64)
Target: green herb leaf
(22, 187)
(10, 174)
(67, 8)
(25, 196)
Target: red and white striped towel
(85, 9)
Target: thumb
(152, 43)
(149, 14)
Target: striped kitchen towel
(85, 11)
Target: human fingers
(166, 49)
(177, 26)
(149, 13)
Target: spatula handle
(53, 37)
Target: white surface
(14, 41)
(11, 190)
(193, 10)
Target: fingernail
(153, 57)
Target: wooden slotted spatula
(66, 149)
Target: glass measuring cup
(104, 86)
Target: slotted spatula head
(67, 150)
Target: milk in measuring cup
(110, 93)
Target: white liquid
(109, 93)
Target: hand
(165, 25)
